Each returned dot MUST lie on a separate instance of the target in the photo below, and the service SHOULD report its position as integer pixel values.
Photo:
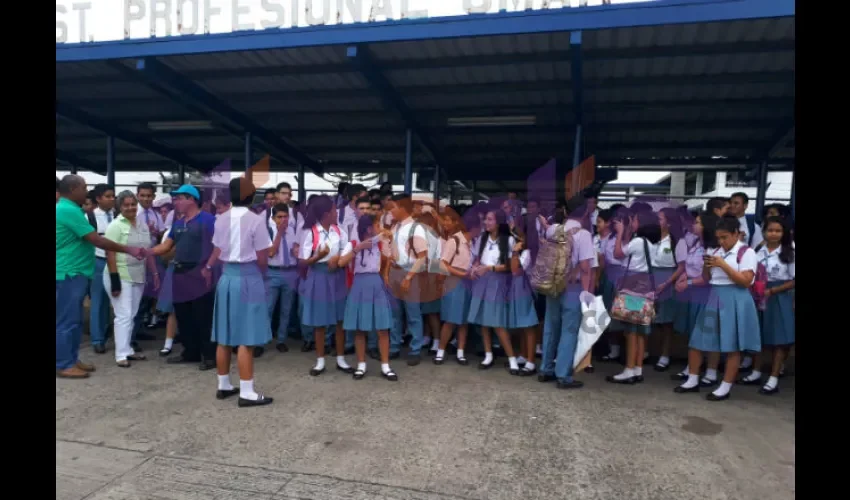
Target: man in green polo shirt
(76, 240)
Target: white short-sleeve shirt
(663, 255)
(330, 237)
(525, 260)
(636, 255)
(240, 234)
(490, 256)
(776, 269)
(749, 262)
(401, 239)
(279, 258)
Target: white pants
(125, 305)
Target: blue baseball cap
(188, 190)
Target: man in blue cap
(193, 298)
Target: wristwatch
(208, 267)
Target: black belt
(184, 267)
(282, 268)
(99, 257)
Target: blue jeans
(70, 293)
(397, 330)
(280, 285)
(560, 333)
(413, 311)
(99, 307)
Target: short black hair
(280, 207)
(101, 189)
(404, 201)
(742, 195)
(354, 190)
(146, 185)
(605, 214)
(728, 223)
(270, 191)
(91, 197)
(716, 203)
(241, 192)
(283, 185)
(363, 199)
(640, 206)
(342, 188)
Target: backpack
(548, 276)
(751, 228)
(334, 227)
(759, 286)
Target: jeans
(560, 333)
(99, 307)
(70, 293)
(194, 320)
(280, 285)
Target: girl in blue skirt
(729, 322)
(610, 272)
(489, 305)
(368, 307)
(322, 294)
(667, 270)
(456, 260)
(522, 314)
(240, 314)
(777, 323)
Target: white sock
(710, 374)
(723, 390)
(488, 358)
(663, 361)
(320, 364)
(772, 382)
(521, 360)
(454, 342)
(626, 373)
(169, 343)
(686, 372)
(753, 376)
(441, 354)
(385, 368)
(782, 369)
(747, 362)
(341, 362)
(529, 366)
(224, 383)
(361, 367)
(538, 349)
(638, 371)
(246, 390)
(460, 354)
(435, 345)
(693, 381)
(614, 352)
(512, 362)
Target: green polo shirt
(74, 255)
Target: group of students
(366, 268)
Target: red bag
(759, 285)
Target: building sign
(105, 20)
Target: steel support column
(474, 187)
(302, 188)
(578, 93)
(408, 162)
(73, 169)
(761, 192)
(181, 173)
(110, 160)
(437, 185)
(793, 193)
(249, 151)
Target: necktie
(109, 216)
(147, 217)
(341, 213)
(285, 249)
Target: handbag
(633, 307)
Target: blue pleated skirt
(241, 314)
(163, 300)
(320, 297)
(521, 311)
(728, 323)
(368, 307)
(608, 286)
(489, 304)
(665, 304)
(777, 327)
(691, 304)
(454, 306)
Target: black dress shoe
(486, 366)
(682, 390)
(662, 368)
(224, 394)
(315, 373)
(100, 349)
(589, 369)
(711, 397)
(768, 392)
(573, 384)
(207, 364)
(282, 348)
(707, 384)
(262, 401)
(678, 377)
(258, 351)
(308, 346)
(546, 377)
(179, 360)
(348, 370)
(136, 347)
(744, 381)
(638, 378)
(624, 381)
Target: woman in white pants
(125, 278)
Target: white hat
(161, 200)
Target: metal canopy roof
(666, 91)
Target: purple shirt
(608, 245)
(689, 250)
(366, 261)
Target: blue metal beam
(393, 101)
(158, 73)
(578, 94)
(509, 23)
(110, 160)
(81, 163)
(778, 139)
(111, 129)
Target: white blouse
(776, 269)
(490, 256)
(749, 262)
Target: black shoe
(744, 381)
(390, 375)
(638, 378)
(439, 361)
(682, 390)
(413, 359)
(526, 372)
(262, 401)
(164, 352)
(358, 374)
(180, 360)
(573, 384)
(678, 377)
(136, 347)
(207, 364)
(485, 366)
(145, 336)
(282, 348)
(348, 370)
(258, 351)
(374, 354)
(609, 359)
(463, 361)
(711, 397)
(768, 392)
(220, 394)
(100, 349)
(315, 373)
(589, 369)
(546, 377)
(662, 368)
(349, 351)
(308, 346)
(703, 383)
(624, 381)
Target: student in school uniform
(777, 253)
(563, 313)
(667, 269)
(368, 307)
(521, 312)
(240, 318)
(637, 277)
(610, 274)
(283, 273)
(456, 260)
(491, 284)
(729, 322)
(163, 301)
(323, 301)
(99, 307)
(431, 302)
